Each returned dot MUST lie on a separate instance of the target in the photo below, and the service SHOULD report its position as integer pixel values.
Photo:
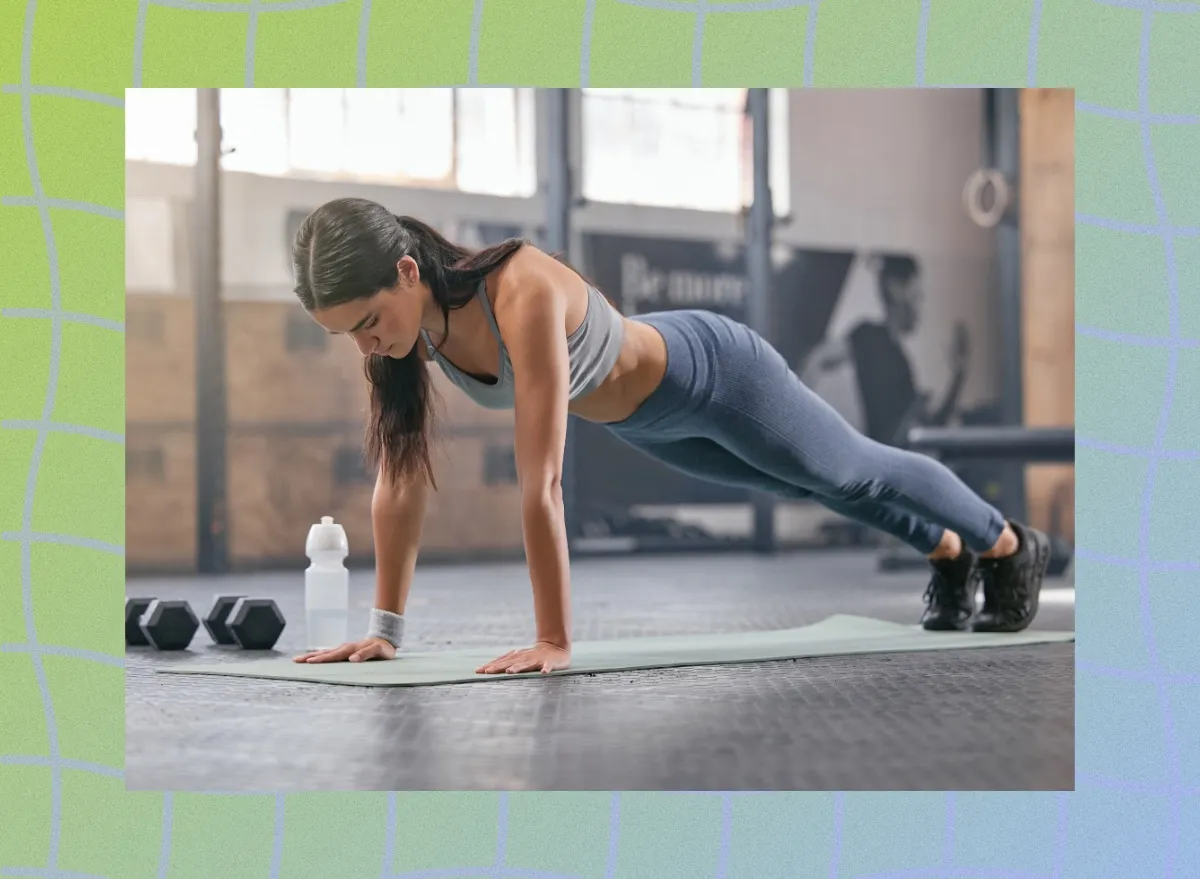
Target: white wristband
(386, 625)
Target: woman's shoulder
(525, 260)
(529, 268)
(533, 283)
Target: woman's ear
(409, 271)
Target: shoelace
(943, 590)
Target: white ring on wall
(988, 218)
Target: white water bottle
(326, 586)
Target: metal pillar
(758, 268)
(556, 124)
(1004, 133)
(211, 418)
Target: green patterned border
(64, 65)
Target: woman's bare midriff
(639, 369)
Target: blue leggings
(730, 410)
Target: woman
(514, 327)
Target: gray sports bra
(592, 349)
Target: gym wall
(870, 172)
(296, 401)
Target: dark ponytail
(348, 249)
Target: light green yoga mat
(835, 636)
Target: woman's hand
(542, 656)
(355, 651)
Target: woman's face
(387, 323)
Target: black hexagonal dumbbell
(134, 609)
(216, 621)
(169, 625)
(255, 623)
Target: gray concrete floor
(987, 719)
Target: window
(144, 463)
(401, 134)
(254, 131)
(349, 468)
(496, 142)
(475, 140)
(384, 135)
(316, 130)
(499, 465)
(160, 125)
(681, 148)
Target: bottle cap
(326, 537)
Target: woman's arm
(533, 324)
(397, 519)
(397, 516)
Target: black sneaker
(950, 596)
(1011, 585)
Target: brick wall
(160, 496)
(296, 401)
(160, 443)
(160, 359)
(282, 368)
